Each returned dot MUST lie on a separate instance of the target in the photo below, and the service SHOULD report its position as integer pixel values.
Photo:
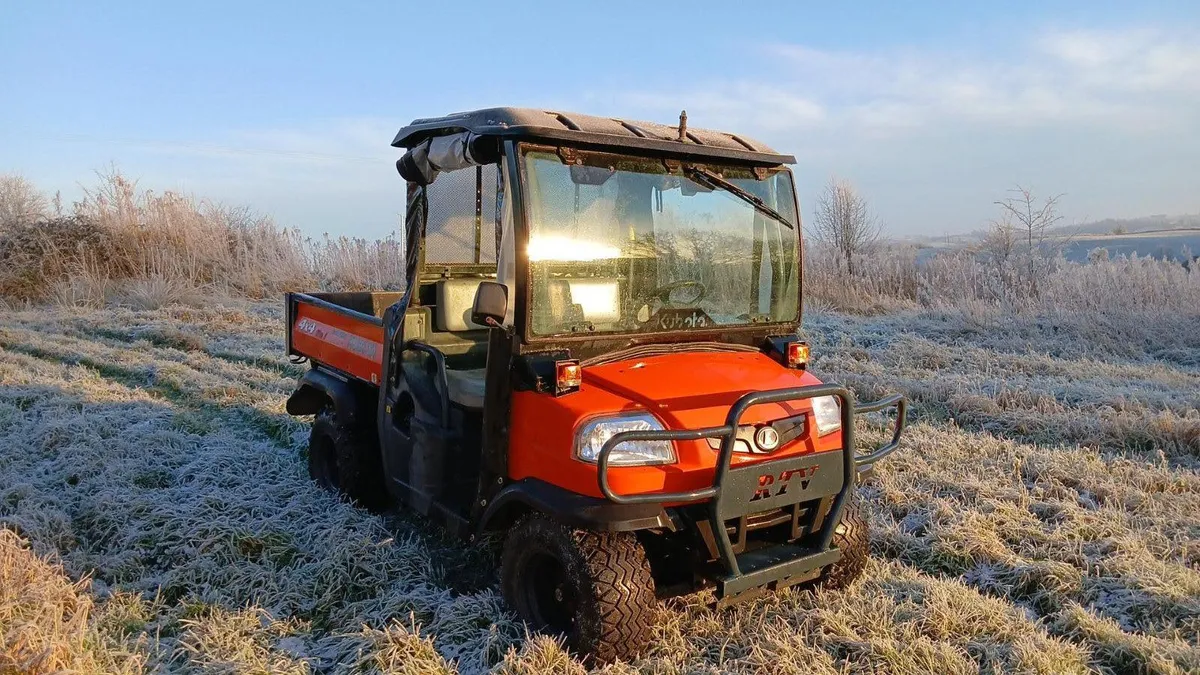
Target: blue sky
(933, 110)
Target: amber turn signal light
(797, 355)
(568, 375)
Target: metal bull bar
(785, 560)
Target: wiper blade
(715, 181)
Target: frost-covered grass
(1044, 516)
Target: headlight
(827, 414)
(593, 435)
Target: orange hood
(685, 390)
(695, 389)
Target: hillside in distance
(1175, 237)
(1117, 226)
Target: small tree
(20, 201)
(843, 221)
(1020, 239)
(1032, 221)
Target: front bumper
(738, 492)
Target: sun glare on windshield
(566, 249)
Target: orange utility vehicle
(595, 354)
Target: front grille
(789, 429)
(768, 528)
(765, 519)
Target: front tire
(852, 538)
(593, 587)
(345, 459)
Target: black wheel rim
(548, 594)
(326, 462)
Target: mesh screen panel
(452, 231)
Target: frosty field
(156, 513)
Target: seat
(455, 298)
(462, 341)
(467, 387)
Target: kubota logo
(770, 485)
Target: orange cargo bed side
(338, 339)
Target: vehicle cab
(650, 276)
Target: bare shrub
(143, 250)
(177, 239)
(38, 254)
(1107, 299)
(885, 281)
(844, 223)
(20, 202)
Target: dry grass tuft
(402, 650)
(220, 641)
(44, 617)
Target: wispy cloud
(933, 136)
(333, 143)
(1113, 78)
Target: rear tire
(595, 588)
(345, 459)
(853, 539)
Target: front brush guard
(738, 491)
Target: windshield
(622, 244)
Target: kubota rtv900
(596, 354)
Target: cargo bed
(344, 332)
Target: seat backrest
(455, 298)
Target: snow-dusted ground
(1044, 514)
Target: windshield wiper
(715, 181)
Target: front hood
(696, 389)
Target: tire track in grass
(132, 337)
(255, 384)
(278, 427)
(167, 339)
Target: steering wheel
(663, 293)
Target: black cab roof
(589, 130)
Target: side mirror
(491, 304)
